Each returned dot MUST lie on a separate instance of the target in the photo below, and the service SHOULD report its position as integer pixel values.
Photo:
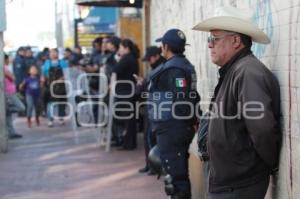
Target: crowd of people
(25, 83)
(29, 79)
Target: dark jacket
(29, 61)
(95, 58)
(154, 67)
(110, 62)
(19, 69)
(125, 68)
(165, 91)
(244, 149)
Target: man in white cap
(244, 130)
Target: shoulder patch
(180, 82)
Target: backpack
(56, 73)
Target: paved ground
(46, 163)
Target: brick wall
(281, 21)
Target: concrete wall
(281, 21)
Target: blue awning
(100, 20)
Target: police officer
(29, 59)
(19, 66)
(155, 60)
(172, 100)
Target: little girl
(32, 91)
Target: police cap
(151, 51)
(174, 38)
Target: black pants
(173, 144)
(149, 138)
(257, 191)
(129, 141)
(126, 129)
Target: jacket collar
(158, 62)
(239, 55)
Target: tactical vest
(161, 105)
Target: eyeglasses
(212, 39)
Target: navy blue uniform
(29, 61)
(171, 108)
(19, 68)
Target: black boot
(181, 195)
(144, 170)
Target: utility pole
(58, 23)
(3, 132)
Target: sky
(30, 22)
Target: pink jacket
(10, 86)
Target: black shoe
(129, 148)
(151, 173)
(15, 136)
(144, 170)
(116, 144)
(181, 195)
(121, 148)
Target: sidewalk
(46, 164)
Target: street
(46, 163)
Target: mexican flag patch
(180, 82)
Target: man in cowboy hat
(244, 130)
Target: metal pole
(58, 24)
(3, 132)
(110, 114)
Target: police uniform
(172, 90)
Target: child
(32, 91)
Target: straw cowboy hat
(235, 20)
